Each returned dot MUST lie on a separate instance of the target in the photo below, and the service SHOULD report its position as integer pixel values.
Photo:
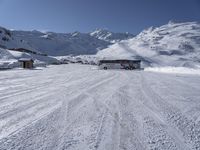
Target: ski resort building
(120, 64)
(26, 63)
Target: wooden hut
(26, 63)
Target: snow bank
(174, 70)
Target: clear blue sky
(86, 15)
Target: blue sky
(86, 15)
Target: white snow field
(78, 107)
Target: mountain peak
(106, 35)
(100, 32)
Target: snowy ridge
(174, 44)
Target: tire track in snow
(41, 86)
(130, 137)
(14, 102)
(176, 93)
(93, 113)
(33, 135)
(27, 106)
(124, 124)
(87, 94)
(142, 110)
(78, 103)
(117, 123)
(190, 131)
(17, 119)
(29, 125)
(42, 101)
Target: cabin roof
(25, 59)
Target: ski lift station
(119, 64)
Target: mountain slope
(174, 44)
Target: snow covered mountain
(173, 44)
(59, 44)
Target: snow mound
(174, 44)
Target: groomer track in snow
(76, 107)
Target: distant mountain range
(59, 44)
(173, 44)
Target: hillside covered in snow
(173, 44)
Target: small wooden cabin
(26, 63)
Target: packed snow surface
(78, 107)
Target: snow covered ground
(77, 107)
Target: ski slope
(77, 107)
